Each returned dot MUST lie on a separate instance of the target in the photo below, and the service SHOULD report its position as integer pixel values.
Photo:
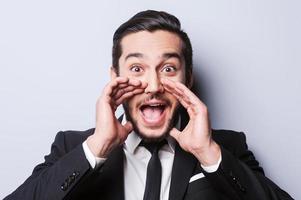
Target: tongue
(151, 113)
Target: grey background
(55, 56)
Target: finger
(171, 85)
(134, 82)
(187, 92)
(113, 84)
(131, 82)
(121, 91)
(189, 97)
(183, 101)
(118, 87)
(172, 90)
(175, 133)
(128, 127)
(129, 88)
(179, 98)
(127, 95)
(197, 106)
(179, 95)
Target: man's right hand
(109, 132)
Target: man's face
(149, 57)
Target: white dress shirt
(135, 165)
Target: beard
(165, 132)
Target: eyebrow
(172, 55)
(165, 55)
(135, 55)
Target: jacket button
(64, 186)
(70, 179)
(241, 188)
(75, 174)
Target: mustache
(156, 96)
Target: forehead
(151, 44)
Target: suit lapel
(183, 168)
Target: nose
(154, 84)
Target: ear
(113, 73)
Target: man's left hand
(196, 137)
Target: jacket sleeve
(239, 176)
(61, 170)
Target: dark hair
(151, 20)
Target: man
(163, 147)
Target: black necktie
(154, 172)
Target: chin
(153, 135)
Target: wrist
(97, 147)
(209, 155)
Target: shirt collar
(133, 140)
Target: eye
(169, 69)
(136, 68)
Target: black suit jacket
(66, 174)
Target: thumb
(175, 133)
(128, 127)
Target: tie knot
(153, 146)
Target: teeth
(153, 105)
(156, 104)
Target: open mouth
(153, 112)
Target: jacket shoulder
(71, 138)
(224, 133)
(229, 139)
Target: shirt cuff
(212, 168)
(93, 160)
